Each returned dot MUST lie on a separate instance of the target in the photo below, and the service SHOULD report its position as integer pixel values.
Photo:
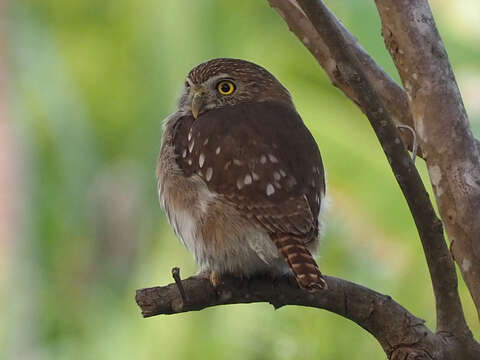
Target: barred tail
(301, 262)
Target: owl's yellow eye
(225, 87)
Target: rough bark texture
(442, 270)
(440, 120)
(452, 156)
(398, 331)
(389, 322)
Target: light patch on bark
(330, 65)
(408, 86)
(435, 174)
(294, 3)
(466, 265)
(469, 174)
(439, 191)
(419, 126)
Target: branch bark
(396, 329)
(440, 120)
(449, 310)
(389, 322)
(392, 95)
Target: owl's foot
(215, 279)
(213, 276)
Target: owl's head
(222, 82)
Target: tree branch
(398, 331)
(451, 152)
(389, 322)
(392, 95)
(442, 270)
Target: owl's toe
(215, 279)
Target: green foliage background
(89, 84)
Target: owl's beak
(197, 103)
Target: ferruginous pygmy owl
(240, 176)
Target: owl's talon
(215, 279)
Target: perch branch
(442, 270)
(400, 333)
(389, 322)
(442, 125)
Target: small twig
(178, 281)
(414, 140)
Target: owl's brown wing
(263, 159)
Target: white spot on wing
(190, 146)
(276, 175)
(237, 162)
(208, 174)
(248, 179)
(255, 176)
(217, 150)
(201, 160)
(270, 189)
(239, 184)
(184, 153)
(205, 142)
(263, 159)
(272, 158)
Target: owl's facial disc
(215, 92)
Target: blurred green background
(87, 84)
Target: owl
(240, 177)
